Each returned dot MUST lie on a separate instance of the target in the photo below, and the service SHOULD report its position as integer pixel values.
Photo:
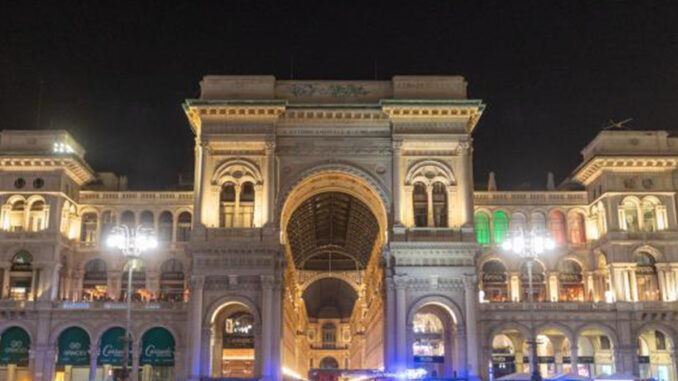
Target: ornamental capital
(464, 148)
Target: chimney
(491, 183)
(550, 182)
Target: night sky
(552, 73)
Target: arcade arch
(333, 225)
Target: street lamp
(132, 242)
(529, 246)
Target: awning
(111, 348)
(74, 347)
(14, 346)
(157, 348)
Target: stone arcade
(334, 224)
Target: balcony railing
(9, 304)
(579, 306)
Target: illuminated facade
(333, 224)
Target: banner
(73, 347)
(14, 346)
(157, 348)
(111, 349)
(429, 359)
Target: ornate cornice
(589, 171)
(74, 167)
(489, 198)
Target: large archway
(234, 341)
(333, 228)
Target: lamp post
(529, 246)
(132, 242)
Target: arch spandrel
(334, 178)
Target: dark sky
(551, 72)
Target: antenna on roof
(611, 125)
(39, 111)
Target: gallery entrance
(334, 228)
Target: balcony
(579, 306)
(23, 305)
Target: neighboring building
(334, 224)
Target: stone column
(34, 284)
(266, 354)
(276, 332)
(114, 284)
(93, 353)
(397, 182)
(237, 222)
(200, 147)
(401, 322)
(136, 349)
(270, 183)
(179, 363)
(465, 181)
(195, 327)
(574, 357)
(429, 206)
(633, 284)
(471, 305)
(406, 199)
(389, 340)
(5, 281)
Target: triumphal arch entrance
(333, 227)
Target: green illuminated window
(501, 225)
(482, 225)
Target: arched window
(88, 228)
(601, 219)
(17, 216)
(654, 215)
(571, 281)
(227, 206)
(165, 224)
(628, 215)
(439, 205)
(647, 279)
(329, 363)
(518, 222)
(172, 281)
(329, 335)
(184, 227)
(107, 223)
(21, 276)
(538, 282)
(660, 340)
(500, 223)
(146, 219)
(482, 225)
(246, 205)
(577, 227)
(127, 218)
(139, 291)
(420, 204)
(494, 280)
(95, 280)
(558, 226)
(538, 222)
(37, 218)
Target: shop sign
(503, 359)
(14, 346)
(73, 347)
(429, 359)
(235, 341)
(111, 350)
(157, 348)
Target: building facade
(334, 225)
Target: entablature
(135, 198)
(491, 198)
(592, 169)
(79, 171)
